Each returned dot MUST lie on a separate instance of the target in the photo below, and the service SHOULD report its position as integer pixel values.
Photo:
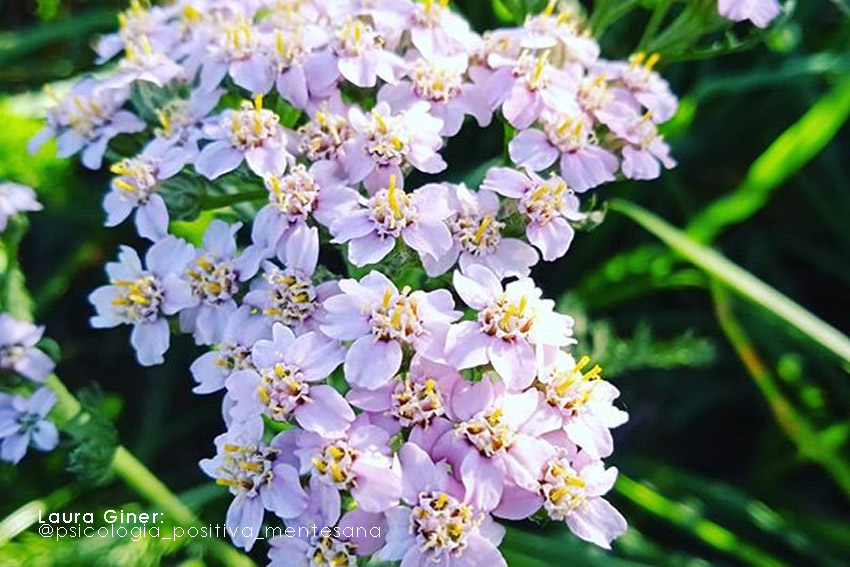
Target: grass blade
(739, 280)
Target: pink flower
(413, 400)
(381, 320)
(284, 386)
(358, 461)
(440, 83)
(416, 217)
(646, 150)
(385, 142)
(258, 479)
(548, 205)
(361, 57)
(252, 134)
(305, 69)
(294, 198)
(584, 163)
(644, 85)
(436, 31)
(514, 327)
(527, 86)
(477, 237)
(759, 12)
(236, 48)
(582, 402)
(136, 185)
(493, 439)
(289, 295)
(437, 526)
(215, 276)
(570, 489)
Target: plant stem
(141, 480)
(737, 279)
(689, 520)
(18, 521)
(219, 201)
(795, 425)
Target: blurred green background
(737, 450)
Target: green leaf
(738, 279)
(795, 148)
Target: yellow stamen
(550, 8)
(482, 229)
(652, 61)
(392, 198)
(121, 184)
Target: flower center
(435, 83)
(139, 300)
(11, 355)
(640, 74)
(416, 402)
(28, 421)
(282, 389)
(563, 490)
(355, 37)
(507, 320)
(294, 194)
(442, 524)
(533, 70)
(488, 433)
(544, 202)
(330, 552)
(244, 469)
(396, 317)
(251, 125)
(334, 465)
(569, 133)
(233, 356)
(293, 296)
(289, 48)
(569, 390)
(477, 235)
(386, 139)
(392, 211)
(594, 93)
(322, 137)
(173, 118)
(236, 40)
(213, 282)
(430, 13)
(138, 177)
(85, 115)
(645, 131)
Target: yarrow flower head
(354, 393)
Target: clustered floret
(430, 417)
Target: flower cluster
(430, 412)
(23, 366)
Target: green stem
(140, 479)
(220, 201)
(21, 519)
(738, 279)
(795, 425)
(688, 520)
